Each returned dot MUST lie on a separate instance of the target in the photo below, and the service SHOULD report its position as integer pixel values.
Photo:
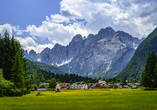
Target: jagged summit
(32, 52)
(78, 37)
(107, 31)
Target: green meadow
(98, 99)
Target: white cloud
(135, 17)
(56, 32)
(7, 27)
(29, 44)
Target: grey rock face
(75, 46)
(89, 55)
(32, 55)
(102, 54)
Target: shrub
(38, 94)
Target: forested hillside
(34, 66)
(135, 67)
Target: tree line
(42, 76)
(14, 73)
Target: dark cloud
(144, 1)
(100, 1)
(124, 4)
(66, 13)
(148, 12)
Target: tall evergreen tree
(26, 75)
(18, 72)
(7, 64)
(148, 75)
(1, 52)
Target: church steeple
(99, 80)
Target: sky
(38, 24)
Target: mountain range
(104, 54)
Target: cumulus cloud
(56, 32)
(7, 27)
(137, 17)
(29, 44)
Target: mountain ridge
(86, 55)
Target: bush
(38, 94)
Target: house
(63, 87)
(100, 86)
(42, 88)
(45, 84)
(82, 86)
(101, 82)
(74, 86)
(91, 85)
(67, 85)
(97, 86)
(134, 84)
(58, 87)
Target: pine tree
(27, 80)
(148, 74)
(7, 64)
(1, 52)
(155, 77)
(18, 72)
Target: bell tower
(99, 80)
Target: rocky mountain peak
(57, 45)
(32, 52)
(46, 50)
(124, 37)
(78, 37)
(106, 32)
(25, 52)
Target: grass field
(102, 99)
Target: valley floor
(100, 99)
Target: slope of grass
(99, 99)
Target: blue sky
(27, 12)
(38, 24)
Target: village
(81, 85)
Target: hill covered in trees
(135, 67)
(34, 66)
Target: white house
(58, 87)
(74, 86)
(82, 86)
(102, 82)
